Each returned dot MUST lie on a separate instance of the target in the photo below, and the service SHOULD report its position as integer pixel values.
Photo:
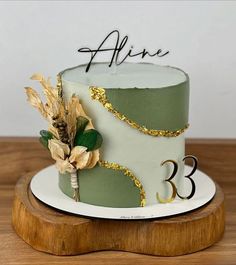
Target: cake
(129, 147)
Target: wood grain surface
(19, 156)
(55, 232)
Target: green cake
(127, 138)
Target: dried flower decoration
(71, 138)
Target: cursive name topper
(116, 50)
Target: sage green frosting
(159, 109)
(103, 187)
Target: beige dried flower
(94, 159)
(80, 157)
(64, 166)
(58, 149)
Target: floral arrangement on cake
(71, 138)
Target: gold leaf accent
(99, 93)
(127, 173)
(59, 86)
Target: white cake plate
(44, 186)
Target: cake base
(44, 186)
(59, 233)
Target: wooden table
(21, 155)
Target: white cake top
(126, 75)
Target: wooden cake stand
(60, 233)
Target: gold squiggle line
(128, 173)
(98, 93)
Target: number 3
(174, 189)
(195, 163)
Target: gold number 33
(169, 180)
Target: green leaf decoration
(91, 139)
(45, 136)
(82, 122)
(44, 142)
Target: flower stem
(75, 185)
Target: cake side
(155, 108)
(159, 109)
(103, 188)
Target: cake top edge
(126, 75)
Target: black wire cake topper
(117, 49)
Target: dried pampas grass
(55, 110)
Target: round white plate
(44, 186)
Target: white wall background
(44, 37)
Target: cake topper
(117, 49)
